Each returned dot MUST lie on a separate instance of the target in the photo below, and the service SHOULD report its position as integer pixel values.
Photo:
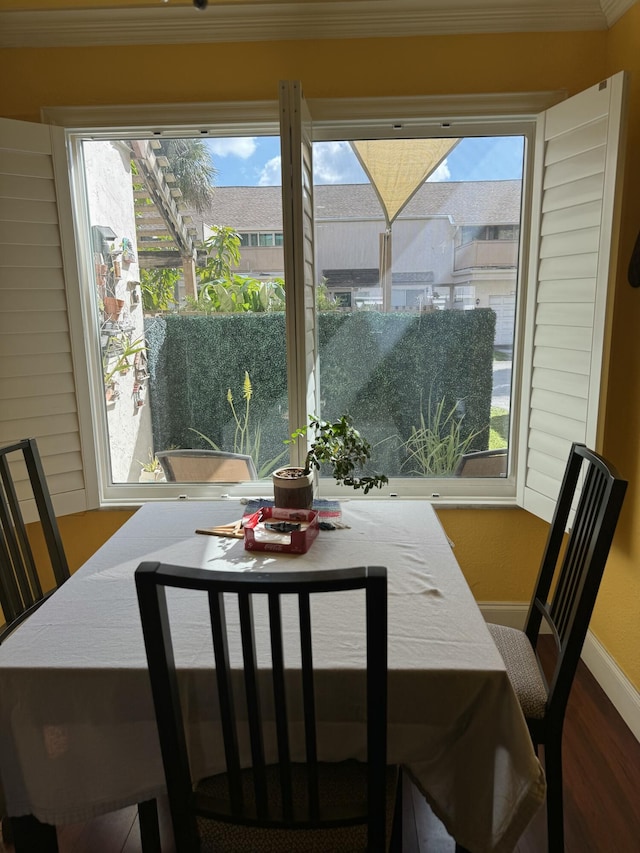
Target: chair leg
(555, 816)
(396, 830)
(30, 835)
(149, 826)
(7, 834)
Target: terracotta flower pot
(112, 308)
(292, 488)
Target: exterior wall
(110, 203)
(497, 549)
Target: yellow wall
(497, 549)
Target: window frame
(332, 119)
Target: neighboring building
(455, 244)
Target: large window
(189, 304)
(537, 308)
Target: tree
(190, 162)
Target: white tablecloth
(77, 730)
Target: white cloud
(270, 174)
(241, 146)
(442, 173)
(335, 163)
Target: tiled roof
(467, 203)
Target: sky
(255, 161)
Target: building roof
(467, 203)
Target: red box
(299, 541)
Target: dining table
(78, 736)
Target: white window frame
(332, 119)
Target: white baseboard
(621, 692)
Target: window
(261, 239)
(541, 381)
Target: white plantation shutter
(297, 217)
(569, 294)
(39, 378)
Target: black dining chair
(594, 490)
(22, 479)
(20, 585)
(261, 804)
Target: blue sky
(255, 161)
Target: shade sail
(397, 168)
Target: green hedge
(380, 368)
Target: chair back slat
(578, 569)
(21, 576)
(309, 705)
(20, 585)
(280, 706)
(254, 709)
(274, 798)
(376, 697)
(226, 700)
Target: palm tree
(190, 162)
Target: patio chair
(593, 486)
(206, 466)
(302, 805)
(483, 463)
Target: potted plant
(151, 471)
(336, 443)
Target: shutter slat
(565, 314)
(28, 210)
(567, 428)
(29, 233)
(560, 381)
(566, 290)
(581, 166)
(564, 337)
(573, 266)
(584, 138)
(572, 218)
(61, 424)
(565, 405)
(577, 242)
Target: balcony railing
(486, 253)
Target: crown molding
(290, 19)
(614, 9)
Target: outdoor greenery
(499, 429)
(375, 367)
(437, 445)
(158, 288)
(246, 440)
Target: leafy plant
(435, 448)
(325, 300)
(239, 293)
(223, 252)
(115, 359)
(158, 287)
(152, 465)
(245, 440)
(340, 445)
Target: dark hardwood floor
(601, 795)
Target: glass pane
(190, 322)
(418, 298)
